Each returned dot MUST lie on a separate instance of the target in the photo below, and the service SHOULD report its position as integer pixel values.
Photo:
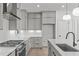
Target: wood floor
(38, 52)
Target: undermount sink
(67, 48)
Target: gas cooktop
(10, 43)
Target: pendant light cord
(66, 8)
(67, 13)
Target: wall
(4, 34)
(22, 24)
(63, 27)
(23, 35)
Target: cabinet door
(1, 17)
(36, 42)
(34, 21)
(13, 20)
(48, 33)
(49, 17)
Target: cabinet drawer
(36, 40)
(37, 45)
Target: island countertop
(61, 51)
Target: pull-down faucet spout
(74, 44)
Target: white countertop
(61, 51)
(4, 51)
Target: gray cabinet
(13, 20)
(48, 32)
(48, 26)
(1, 17)
(28, 46)
(52, 51)
(34, 21)
(36, 42)
(49, 17)
(15, 23)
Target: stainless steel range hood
(10, 11)
(8, 14)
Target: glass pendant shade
(67, 17)
(76, 11)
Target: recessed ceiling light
(38, 6)
(63, 6)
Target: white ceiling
(32, 7)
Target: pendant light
(66, 16)
(76, 11)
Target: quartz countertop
(4, 51)
(61, 51)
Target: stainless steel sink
(67, 48)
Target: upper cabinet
(22, 24)
(49, 17)
(34, 21)
(10, 14)
(1, 17)
(13, 20)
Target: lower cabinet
(12, 53)
(36, 42)
(52, 51)
(28, 46)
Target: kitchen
(39, 29)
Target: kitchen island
(54, 50)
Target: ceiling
(32, 7)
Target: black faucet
(74, 44)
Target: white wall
(22, 24)
(63, 27)
(4, 34)
(24, 35)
